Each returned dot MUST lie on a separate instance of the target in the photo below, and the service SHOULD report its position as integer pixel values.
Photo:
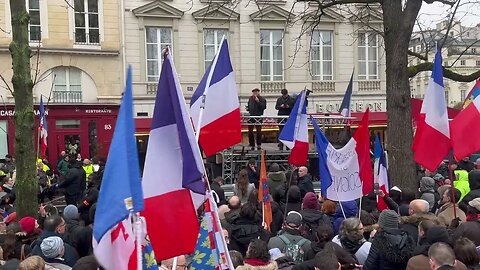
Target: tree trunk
(398, 30)
(26, 181)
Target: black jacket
(305, 184)
(73, 181)
(474, 183)
(311, 219)
(243, 231)
(253, 177)
(70, 255)
(220, 192)
(344, 258)
(80, 237)
(391, 249)
(89, 198)
(288, 101)
(256, 108)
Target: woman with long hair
(258, 257)
(243, 187)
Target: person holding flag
(43, 130)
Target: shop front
(85, 129)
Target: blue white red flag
(120, 194)
(295, 132)
(381, 172)
(346, 173)
(345, 107)
(173, 183)
(431, 143)
(475, 92)
(43, 129)
(217, 92)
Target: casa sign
(12, 112)
(357, 106)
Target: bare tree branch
(419, 56)
(450, 22)
(8, 86)
(36, 65)
(447, 73)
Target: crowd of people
(53, 239)
(434, 228)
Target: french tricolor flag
(466, 130)
(43, 129)
(173, 185)
(381, 172)
(295, 133)
(431, 143)
(216, 94)
(346, 173)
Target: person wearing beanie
(276, 178)
(391, 247)
(28, 224)
(420, 259)
(53, 251)
(428, 193)
(312, 216)
(78, 235)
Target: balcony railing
(323, 86)
(67, 96)
(272, 87)
(152, 88)
(82, 38)
(368, 86)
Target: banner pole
(138, 236)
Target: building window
(87, 29)
(462, 95)
(67, 85)
(211, 43)
(368, 56)
(474, 50)
(271, 55)
(446, 97)
(322, 55)
(158, 39)
(34, 28)
(477, 63)
(462, 62)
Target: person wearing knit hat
(310, 201)
(70, 212)
(52, 247)
(388, 220)
(312, 216)
(391, 247)
(28, 224)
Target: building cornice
(216, 11)
(71, 51)
(272, 13)
(158, 9)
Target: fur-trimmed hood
(271, 266)
(417, 218)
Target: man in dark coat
(284, 107)
(253, 173)
(216, 186)
(256, 105)
(304, 181)
(79, 236)
(73, 182)
(55, 225)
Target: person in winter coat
(446, 211)
(329, 208)
(258, 257)
(304, 181)
(350, 237)
(62, 166)
(73, 182)
(474, 184)
(277, 218)
(284, 106)
(312, 216)
(418, 211)
(246, 228)
(243, 188)
(291, 233)
(461, 179)
(79, 236)
(420, 259)
(253, 173)
(90, 196)
(391, 248)
(294, 200)
(442, 257)
(53, 251)
(471, 227)
(323, 240)
(351, 210)
(255, 106)
(428, 193)
(216, 186)
(466, 252)
(275, 178)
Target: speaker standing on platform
(256, 105)
(284, 107)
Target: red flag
(465, 130)
(362, 138)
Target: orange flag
(263, 194)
